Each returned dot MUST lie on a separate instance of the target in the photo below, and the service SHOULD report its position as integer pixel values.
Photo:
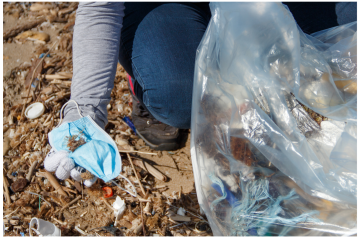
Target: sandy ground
(90, 211)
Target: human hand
(64, 167)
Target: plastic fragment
(130, 124)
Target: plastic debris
(43, 54)
(35, 110)
(43, 228)
(120, 206)
(130, 124)
(181, 211)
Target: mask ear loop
(62, 108)
(134, 190)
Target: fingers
(65, 166)
(53, 158)
(75, 173)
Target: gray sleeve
(96, 43)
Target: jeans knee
(175, 112)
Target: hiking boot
(157, 135)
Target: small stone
(19, 185)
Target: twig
(12, 222)
(184, 223)
(175, 163)
(55, 183)
(70, 203)
(138, 197)
(135, 172)
(107, 204)
(24, 27)
(69, 180)
(31, 170)
(80, 231)
(135, 151)
(188, 212)
(69, 190)
(32, 79)
(142, 218)
(21, 140)
(7, 194)
(40, 197)
(151, 169)
(12, 212)
(60, 222)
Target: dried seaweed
(75, 141)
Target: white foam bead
(53, 159)
(90, 182)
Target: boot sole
(161, 146)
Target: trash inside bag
(274, 124)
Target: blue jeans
(158, 48)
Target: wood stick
(179, 218)
(135, 151)
(142, 218)
(28, 25)
(58, 76)
(135, 172)
(70, 203)
(6, 190)
(12, 222)
(107, 204)
(60, 222)
(32, 79)
(69, 180)
(69, 190)
(152, 170)
(31, 170)
(55, 183)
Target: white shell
(34, 110)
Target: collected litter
(274, 123)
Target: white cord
(62, 108)
(124, 188)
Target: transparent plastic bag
(273, 137)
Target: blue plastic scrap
(43, 54)
(130, 124)
(256, 202)
(33, 84)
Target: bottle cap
(34, 110)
